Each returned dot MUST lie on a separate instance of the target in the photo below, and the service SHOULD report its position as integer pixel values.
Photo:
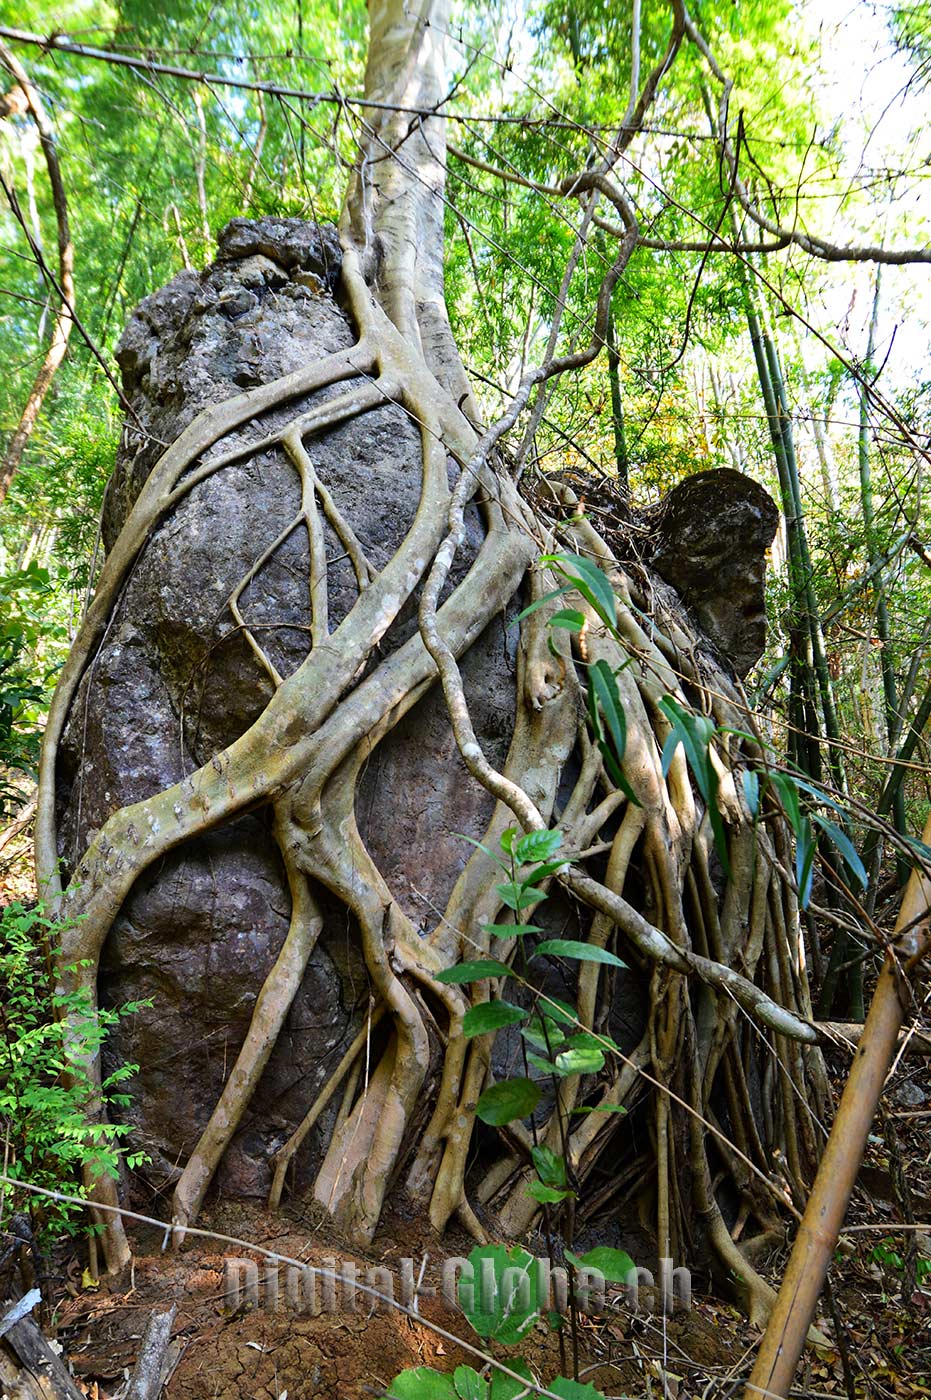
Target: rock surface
(174, 683)
(710, 537)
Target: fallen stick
(146, 1382)
(46, 1370)
(851, 1032)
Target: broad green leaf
(422, 1383)
(615, 1264)
(582, 952)
(574, 1390)
(518, 895)
(543, 1032)
(536, 845)
(512, 1098)
(547, 1195)
(558, 1010)
(580, 1059)
(491, 1016)
(473, 971)
(469, 1384)
(539, 1062)
(504, 1297)
(550, 1166)
(504, 1388)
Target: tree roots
(719, 959)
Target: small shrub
(47, 1134)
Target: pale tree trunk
(306, 752)
(61, 330)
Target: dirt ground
(221, 1351)
(880, 1324)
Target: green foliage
(887, 1255)
(503, 1295)
(47, 1038)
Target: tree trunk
(326, 535)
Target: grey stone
(710, 537)
(174, 683)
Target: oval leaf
(491, 1016)
(583, 952)
(615, 1264)
(512, 1098)
(472, 971)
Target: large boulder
(174, 682)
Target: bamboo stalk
(817, 1235)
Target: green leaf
(574, 1390)
(491, 1016)
(751, 786)
(616, 774)
(505, 1295)
(580, 1059)
(541, 602)
(558, 1010)
(536, 845)
(518, 895)
(473, 971)
(504, 1388)
(787, 790)
(484, 849)
(601, 1108)
(845, 846)
(547, 1195)
(538, 1061)
(551, 1168)
(590, 581)
(603, 680)
(582, 952)
(512, 1098)
(538, 873)
(511, 930)
(695, 733)
(422, 1383)
(614, 1264)
(469, 1384)
(568, 619)
(804, 862)
(543, 1032)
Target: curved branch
(809, 243)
